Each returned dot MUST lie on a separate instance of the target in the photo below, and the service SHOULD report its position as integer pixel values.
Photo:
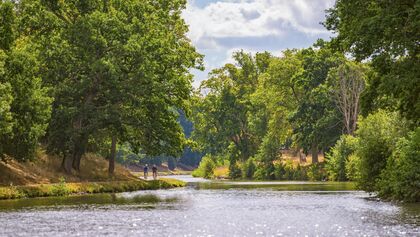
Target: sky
(218, 28)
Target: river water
(214, 209)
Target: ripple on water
(213, 212)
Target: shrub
(279, 171)
(60, 189)
(353, 168)
(289, 170)
(248, 169)
(316, 172)
(206, 168)
(337, 158)
(377, 136)
(265, 171)
(401, 178)
(234, 170)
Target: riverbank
(63, 188)
(46, 169)
(43, 177)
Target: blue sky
(220, 27)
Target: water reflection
(147, 200)
(220, 208)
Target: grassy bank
(45, 169)
(63, 188)
(43, 177)
(164, 173)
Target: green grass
(63, 188)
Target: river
(211, 208)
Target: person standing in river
(154, 171)
(146, 171)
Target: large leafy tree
(222, 110)
(120, 69)
(316, 121)
(387, 33)
(275, 99)
(25, 104)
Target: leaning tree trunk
(112, 153)
(314, 153)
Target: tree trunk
(111, 166)
(66, 164)
(314, 154)
(78, 152)
(77, 156)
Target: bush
(248, 169)
(265, 171)
(377, 137)
(316, 172)
(279, 171)
(401, 178)
(289, 170)
(337, 158)
(60, 189)
(234, 170)
(353, 168)
(206, 168)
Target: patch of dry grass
(221, 172)
(46, 169)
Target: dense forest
(114, 78)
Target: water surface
(220, 208)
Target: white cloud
(253, 19)
(220, 27)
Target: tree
(316, 121)
(25, 104)
(347, 84)
(387, 33)
(6, 99)
(221, 112)
(119, 68)
(274, 100)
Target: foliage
(248, 169)
(206, 167)
(116, 70)
(274, 99)
(316, 172)
(61, 189)
(352, 167)
(316, 120)
(401, 178)
(377, 137)
(288, 171)
(235, 171)
(220, 117)
(387, 33)
(25, 104)
(338, 157)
